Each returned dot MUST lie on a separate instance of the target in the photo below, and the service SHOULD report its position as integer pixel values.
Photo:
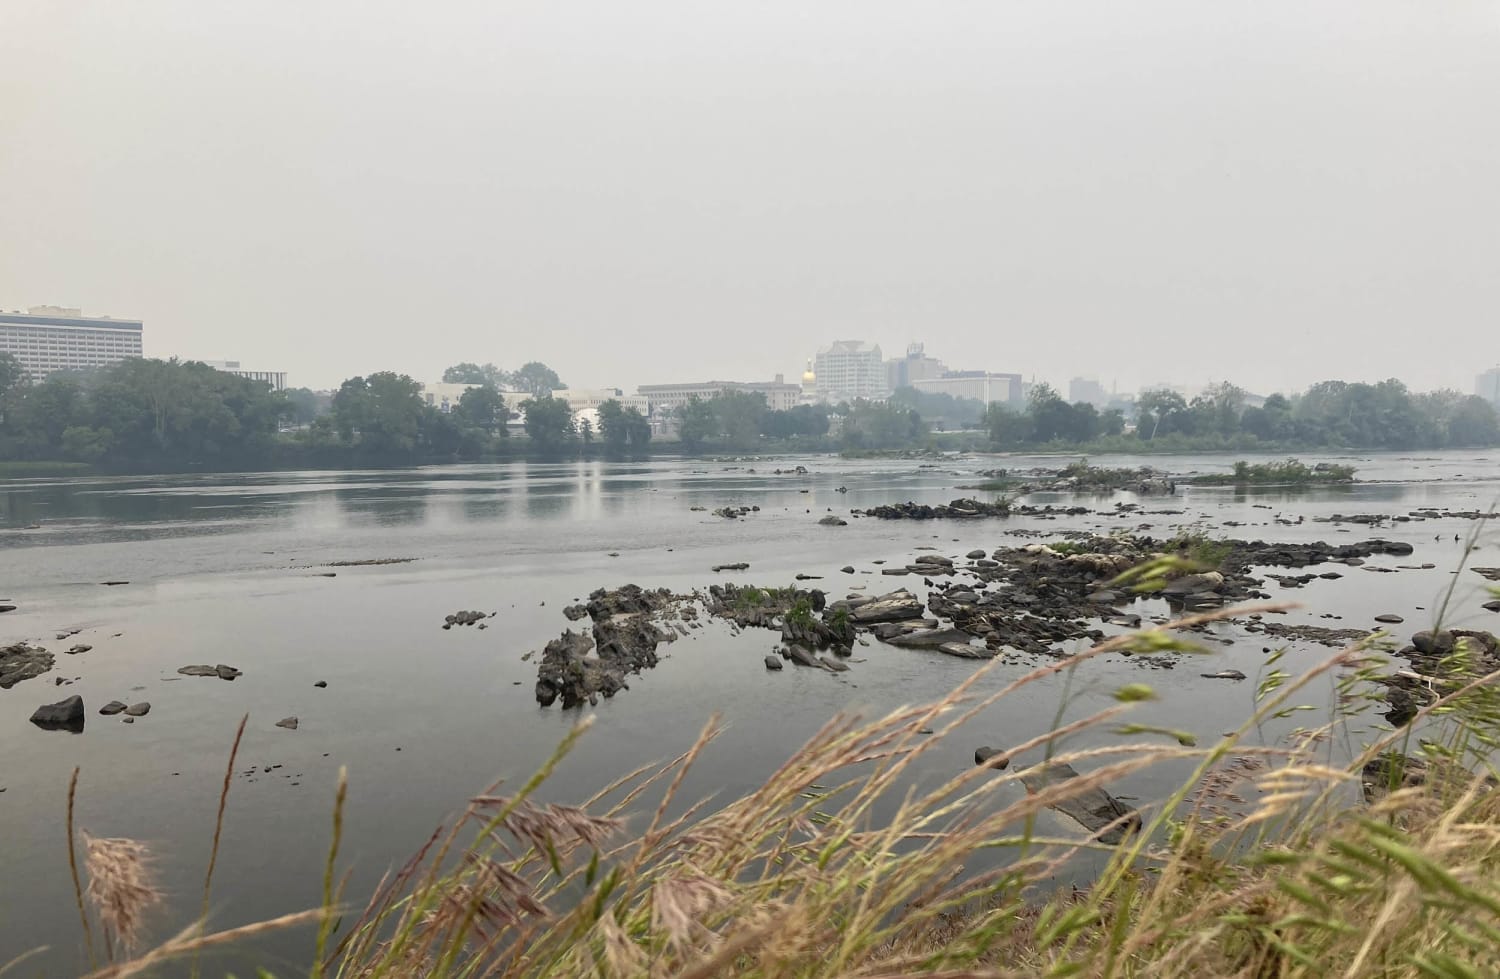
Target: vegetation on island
(1267, 858)
(1291, 472)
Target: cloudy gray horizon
(669, 191)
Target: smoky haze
(1272, 193)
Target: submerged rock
(773, 662)
(290, 723)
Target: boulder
(138, 710)
(965, 650)
(773, 662)
(891, 607)
(1433, 643)
(1098, 811)
(113, 707)
(929, 638)
(66, 715)
(290, 723)
(1188, 584)
(832, 521)
(22, 662)
(976, 554)
(833, 665)
(1390, 618)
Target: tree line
(1330, 414)
(154, 414)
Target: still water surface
(230, 569)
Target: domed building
(809, 385)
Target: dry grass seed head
(122, 886)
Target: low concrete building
(667, 398)
(276, 379)
(584, 403)
(982, 386)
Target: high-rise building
(1089, 391)
(48, 339)
(1487, 385)
(851, 369)
(902, 372)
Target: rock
(833, 665)
(895, 572)
(832, 521)
(197, 671)
(321, 683)
(80, 648)
(22, 662)
(849, 569)
(892, 607)
(65, 715)
(290, 723)
(7, 608)
(113, 707)
(1094, 808)
(965, 650)
(963, 597)
(930, 638)
(1390, 618)
(991, 758)
(575, 612)
(128, 720)
(138, 710)
(1491, 606)
(1223, 675)
(975, 555)
(773, 662)
(466, 617)
(802, 657)
(1433, 643)
(738, 566)
(227, 672)
(1188, 584)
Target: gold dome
(808, 377)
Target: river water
(233, 569)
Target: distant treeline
(165, 415)
(1330, 414)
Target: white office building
(1487, 385)
(981, 386)
(851, 369)
(666, 398)
(48, 339)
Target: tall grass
(1267, 860)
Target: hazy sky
(663, 190)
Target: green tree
(1008, 429)
(1161, 412)
(738, 417)
(638, 429)
(385, 411)
(483, 408)
(696, 423)
(536, 379)
(1474, 423)
(468, 373)
(549, 424)
(302, 405)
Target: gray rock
(929, 638)
(138, 710)
(113, 707)
(832, 521)
(847, 569)
(1390, 618)
(964, 650)
(63, 715)
(895, 572)
(963, 597)
(1223, 675)
(7, 608)
(802, 657)
(1433, 643)
(834, 665)
(892, 607)
(22, 662)
(773, 662)
(1094, 808)
(991, 757)
(227, 672)
(321, 683)
(80, 648)
(290, 723)
(975, 555)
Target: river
(234, 569)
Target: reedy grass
(835, 866)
